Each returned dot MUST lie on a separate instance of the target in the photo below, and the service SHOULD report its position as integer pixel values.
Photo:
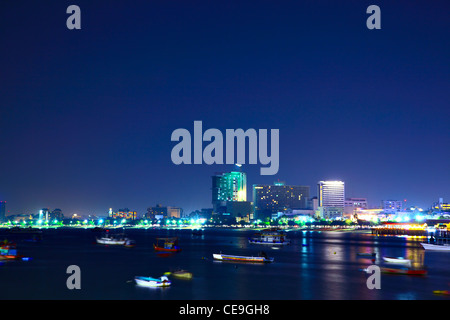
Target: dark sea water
(316, 266)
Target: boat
(439, 241)
(8, 251)
(261, 258)
(162, 281)
(108, 239)
(167, 244)
(271, 236)
(182, 274)
(442, 292)
(405, 271)
(397, 260)
(436, 247)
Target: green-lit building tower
(2, 211)
(229, 194)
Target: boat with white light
(162, 281)
(439, 241)
(108, 239)
(398, 260)
(436, 247)
(270, 236)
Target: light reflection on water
(316, 265)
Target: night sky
(86, 116)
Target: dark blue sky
(86, 115)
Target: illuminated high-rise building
(44, 214)
(331, 198)
(271, 199)
(228, 188)
(2, 211)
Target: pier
(400, 229)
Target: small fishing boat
(108, 239)
(405, 271)
(270, 236)
(167, 244)
(8, 251)
(436, 247)
(162, 281)
(398, 260)
(261, 258)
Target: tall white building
(331, 198)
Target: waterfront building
(392, 206)
(123, 214)
(270, 200)
(2, 211)
(441, 206)
(365, 214)
(160, 212)
(331, 199)
(174, 212)
(352, 205)
(229, 186)
(44, 214)
(57, 214)
(240, 210)
(229, 195)
(205, 213)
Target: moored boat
(162, 281)
(109, 239)
(262, 258)
(398, 260)
(270, 236)
(439, 240)
(167, 244)
(406, 271)
(8, 251)
(436, 247)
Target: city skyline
(251, 198)
(86, 115)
